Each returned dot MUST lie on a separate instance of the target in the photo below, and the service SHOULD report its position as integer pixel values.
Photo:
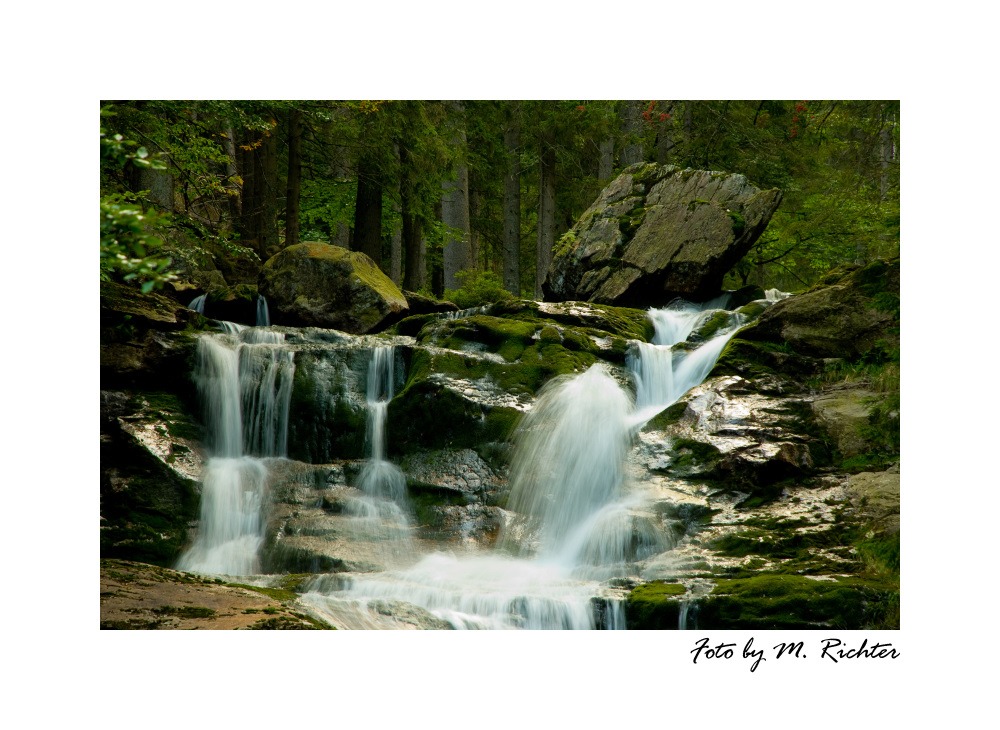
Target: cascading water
(379, 512)
(263, 316)
(198, 304)
(663, 373)
(578, 523)
(244, 378)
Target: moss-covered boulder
(319, 285)
(846, 315)
(659, 232)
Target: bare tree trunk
(512, 202)
(688, 129)
(396, 253)
(631, 127)
(294, 177)
(665, 137)
(546, 213)
(368, 212)
(606, 167)
(455, 215)
(340, 169)
(259, 206)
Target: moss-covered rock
(658, 232)
(320, 285)
(790, 602)
(846, 315)
(654, 605)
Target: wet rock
(876, 497)
(846, 315)
(319, 285)
(842, 412)
(659, 232)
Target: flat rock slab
(141, 596)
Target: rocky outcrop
(319, 285)
(146, 339)
(659, 232)
(845, 315)
(843, 412)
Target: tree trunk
(455, 214)
(368, 212)
(665, 137)
(688, 130)
(414, 245)
(294, 177)
(259, 206)
(512, 202)
(631, 126)
(339, 162)
(269, 191)
(606, 167)
(396, 252)
(232, 171)
(546, 213)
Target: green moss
(718, 321)
(279, 594)
(654, 605)
(787, 602)
(185, 611)
(752, 310)
(689, 452)
(667, 417)
(738, 223)
(411, 326)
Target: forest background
(468, 199)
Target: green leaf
(142, 152)
(148, 286)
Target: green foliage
(477, 288)
(128, 247)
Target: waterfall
(662, 372)
(198, 304)
(244, 378)
(263, 316)
(379, 477)
(379, 513)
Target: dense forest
(467, 199)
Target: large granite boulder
(848, 313)
(659, 232)
(319, 285)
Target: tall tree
(546, 209)
(294, 186)
(259, 200)
(631, 129)
(455, 210)
(368, 209)
(512, 201)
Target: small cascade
(663, 373)
(687, 620)
(380, 478)
(244, 378)
(568, 473)
(380, 512)
(263, 316)
(773, 295)
(198, 303)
